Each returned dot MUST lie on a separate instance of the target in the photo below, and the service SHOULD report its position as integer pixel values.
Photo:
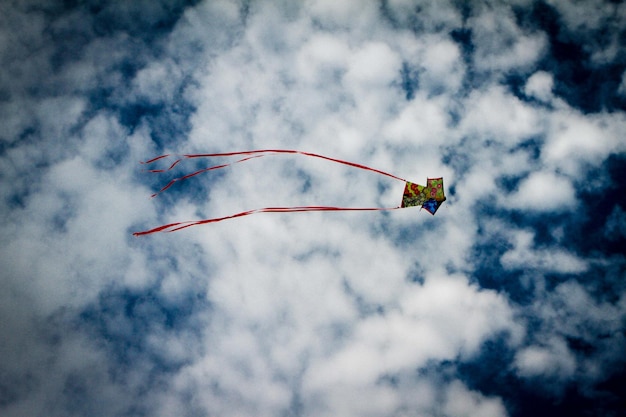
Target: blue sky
(511, 301)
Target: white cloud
(375, 64)
(594, 24)
(442, 16)
(572, 319)
(421, 124)
(622, 86)
(460, 401)
(615, 227)
(501, 45)
(552, 359)
(437, 321)
(311, 313)
(497, 115)
(575, 140)
(542, 191)
(322, 55)
(525, 256)
(154, 83)
(443, 65)
(344, 14)
(539, 86)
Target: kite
(429, 197)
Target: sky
(510, 301)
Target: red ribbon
(172, 227)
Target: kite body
(429, 197)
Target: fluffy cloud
(555, 359)
(501, 45)
(539, 86)
(575, 141)
(543, 191)
(496, 115)
(311, 313)
(523, 256)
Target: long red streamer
(259, 152)
(184, 177)
(172, 227)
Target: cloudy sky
(511, 301)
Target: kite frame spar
(172, 227)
